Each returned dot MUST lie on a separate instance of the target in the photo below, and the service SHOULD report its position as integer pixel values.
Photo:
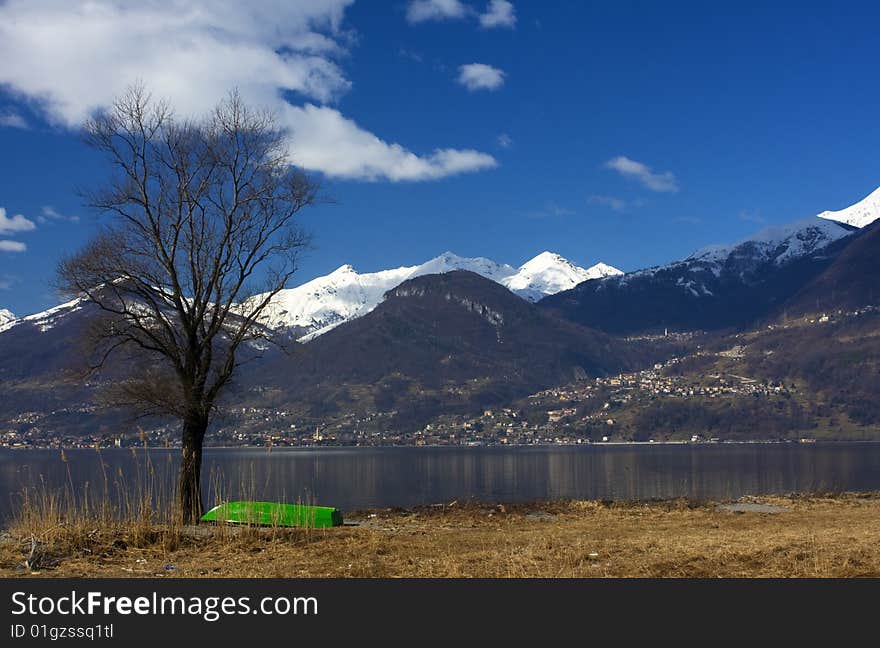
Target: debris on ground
(540, 516)
(752, 507)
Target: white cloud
(328, 141)
(499, 13)
(504, 140)
(12, 120)
(12, 246)
(479, 76)
(17, 223)
(48, 212)
(77, 57)
(424, 10)
(663, 182)
(616, 204)
(70, 59)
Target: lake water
(358, 478)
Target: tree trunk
(189, 488)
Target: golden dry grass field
(833, 536)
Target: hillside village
(562, 415)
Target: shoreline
(464, 503)
(798, 535)
(597, 444)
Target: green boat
(275, 514)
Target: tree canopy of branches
(200, 233)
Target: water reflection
(383, 477)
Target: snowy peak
(545, 260)
(863, 213)
(549, 273)
(330, 300)
(602, 270)
(449, 261)
(343, 270)
(44, 320)
(323, 303)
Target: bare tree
(200, 213)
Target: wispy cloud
(662, 182)
(504, 141)
(17, 223)
(192, 53)
(49, 213)
(424, 10)
(5, 283)
(410, 55)
(499, 13)
(752, 216)
(690, 220)
(551, 210)
(617, 204)
(479, 76)
(12, 246)
(12, 119)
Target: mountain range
(401, 347)
(315, 307)
(723, 286)
(319, 305)
(446, 343)
(714, 288)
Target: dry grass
(817, 537)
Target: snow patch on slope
(6, 319)
(863, 213)
(779, 244)
(47, 319)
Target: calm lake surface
(358, 478)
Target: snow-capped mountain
(549, 273)
(744, 261)
(716, 287)
(47, 319)
(323, 303)
(863, 213)
(6, 318)
(777, 245)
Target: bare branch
(197, 211)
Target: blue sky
(627, 132)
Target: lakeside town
(562, 415)
(584, 411)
